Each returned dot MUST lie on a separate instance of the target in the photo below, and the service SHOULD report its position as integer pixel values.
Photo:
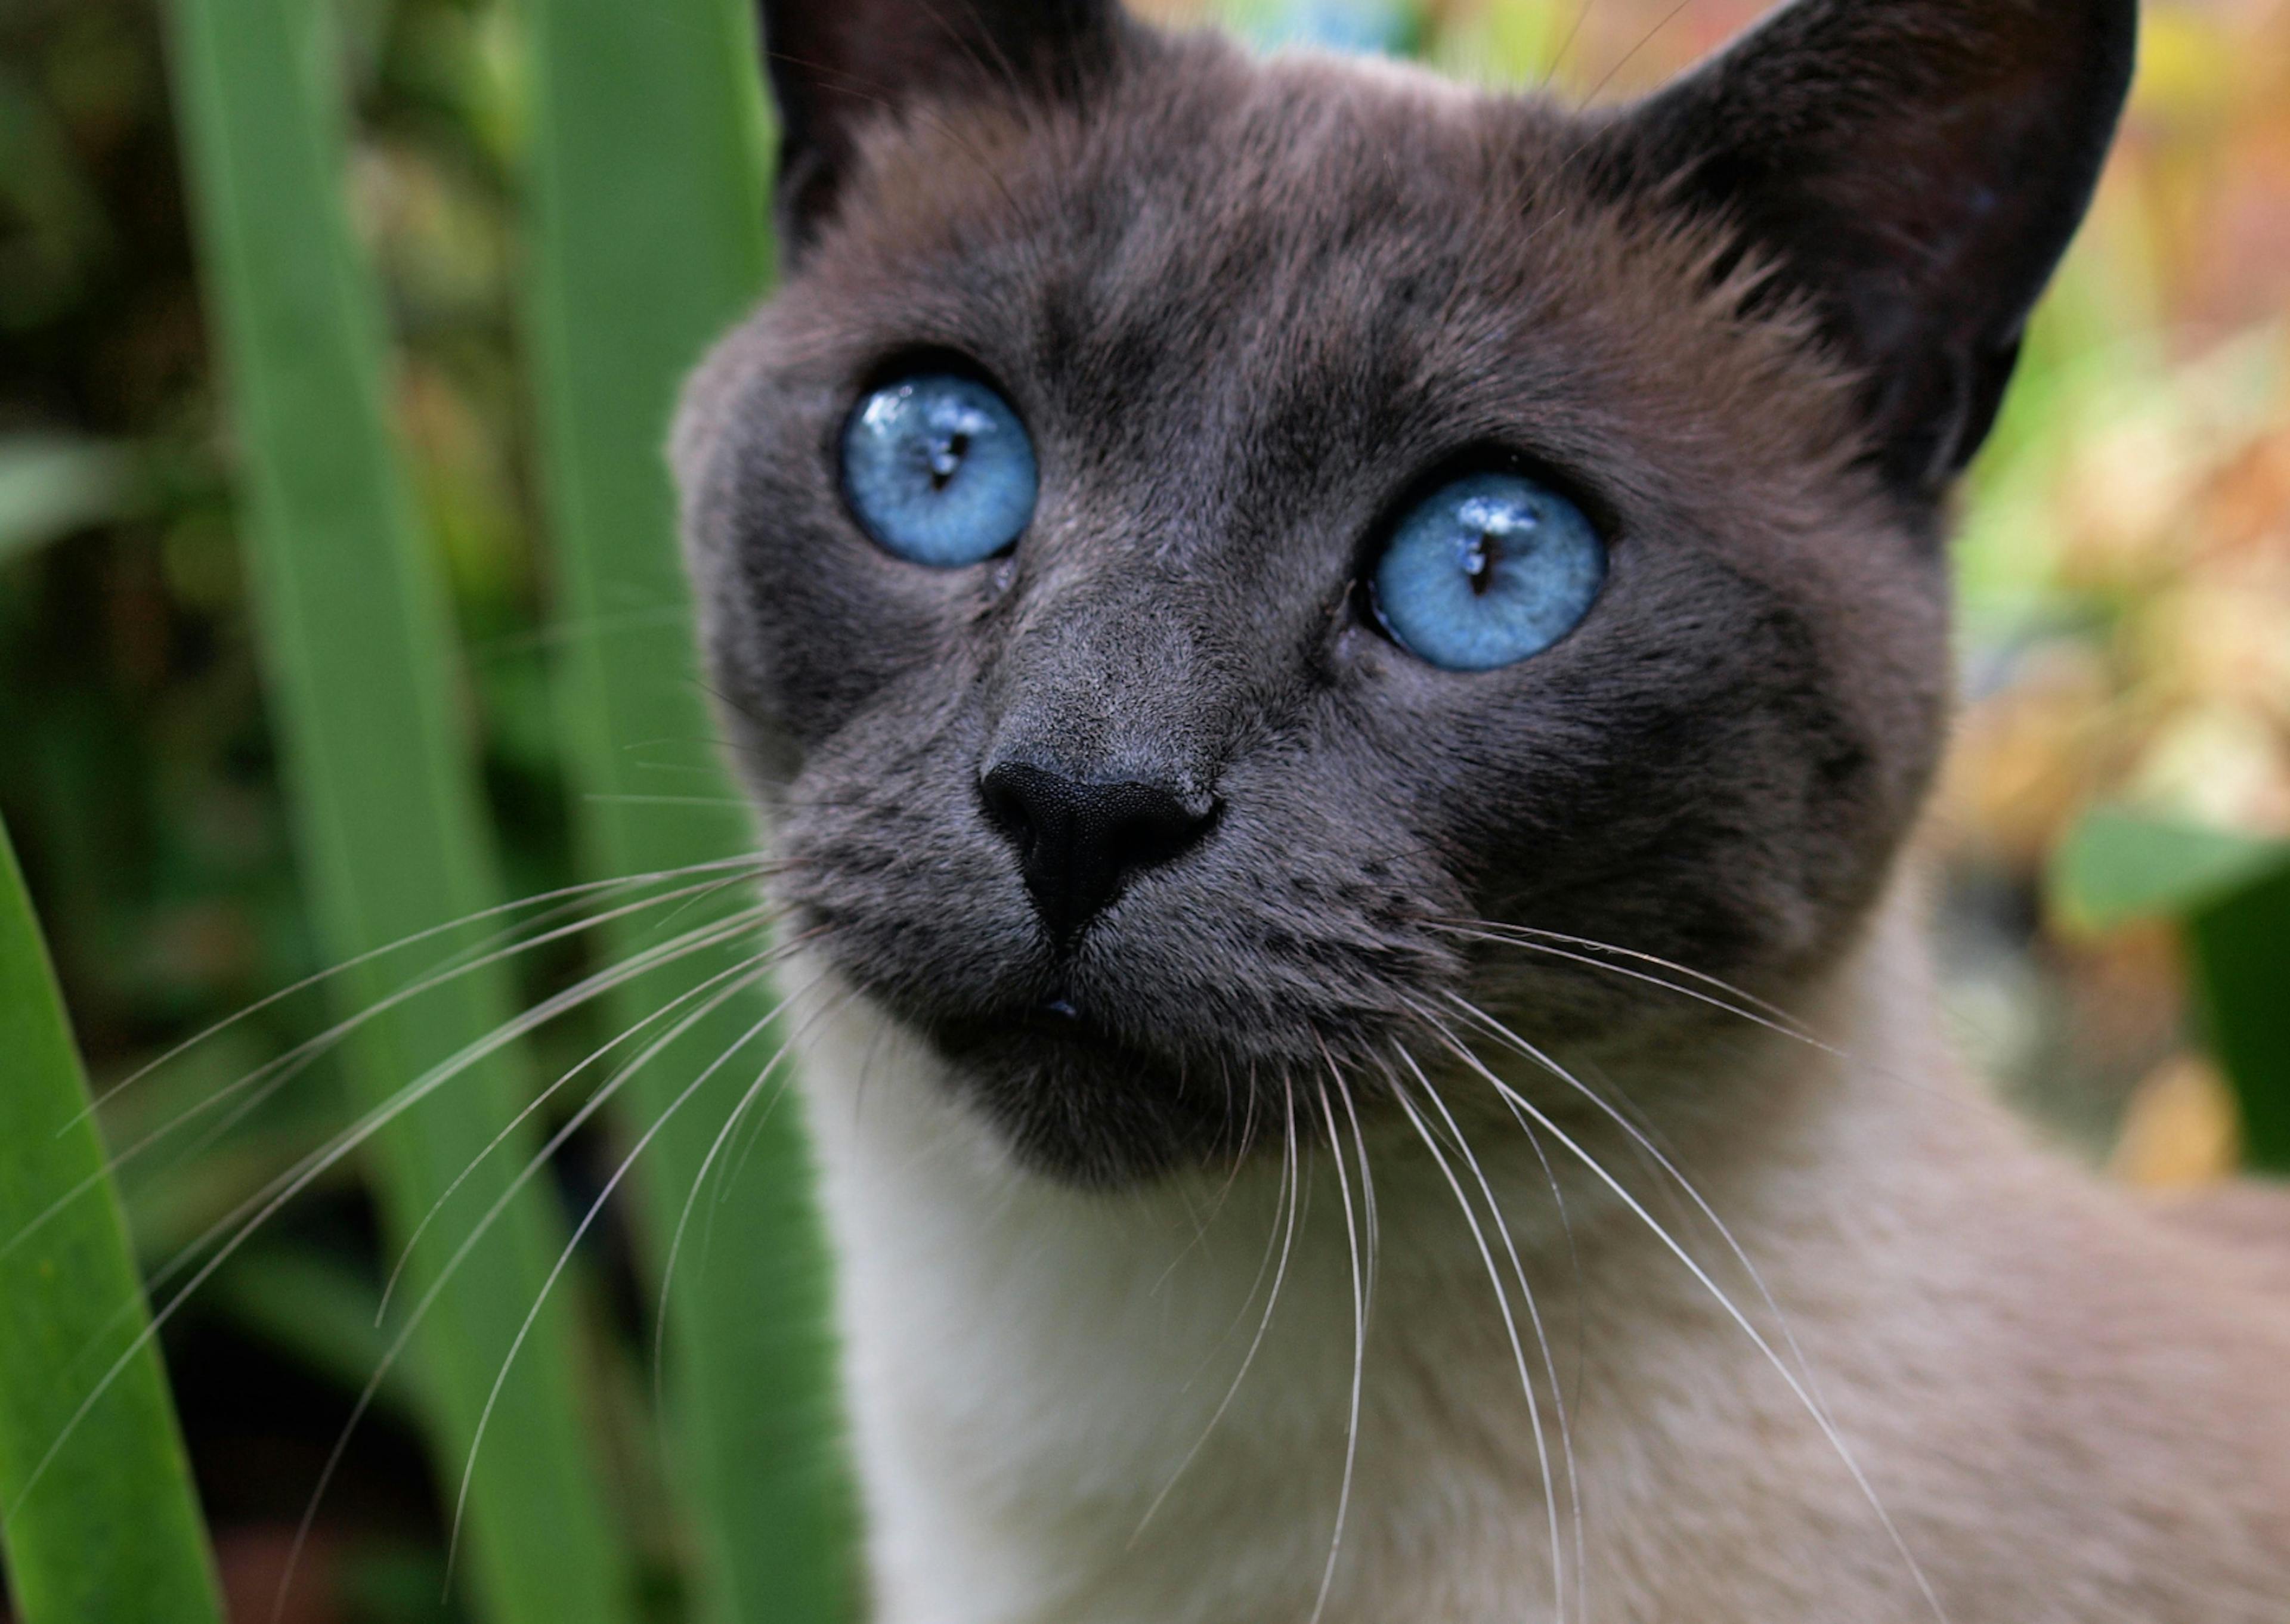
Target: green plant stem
(364, 687)
(647, 241)
(110, 1533)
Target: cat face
(1152, 747)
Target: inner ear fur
(836, 65)
(1915, 169)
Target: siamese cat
(1341, 668)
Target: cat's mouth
(1078, 1100)
(1055, 1026)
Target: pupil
(946, 458)
(1479, 564)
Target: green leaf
(646, 133)
(2230, 894)
(2240, 950)
(109, 1532)
(369, 707)
(2118, 865)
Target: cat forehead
(1353, 241)
(1196, 114)
(1242, 184)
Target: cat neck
(1078, 1403)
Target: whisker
(754, 968)
(1290, 1173)
(1772, 1017)
(580, 1232)
(1533, 1312)
(274, 1073)
(1565, 45)
(1359, 1358)
(668, 800)
(1661, 1160)
(1368, 1222)
(1820, 1417)
(715, 1148)
(1582, 1356)
(1645, 40)
(637, 965)
(577, 892)
(1510, 1323)
(767, 956)
(1780, 1022)
(1374, 1246)
(274, 1196)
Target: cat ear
(836, 65)
(1915, 168)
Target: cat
(1342, 669)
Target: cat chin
(1074, 1104)
(1072, 1101)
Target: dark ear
(836, 65)
(1914, 167)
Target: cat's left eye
(938, 470)
(1486, 571)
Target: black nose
(1080, 844)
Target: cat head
(1191, 535)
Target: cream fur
(2070, 1411)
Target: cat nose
(1080, 844)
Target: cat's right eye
(938, 469)
(1488, 571)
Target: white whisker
(1359, 1358)
(715, 1148)
(1511, 1324)
(1529, 935)
(596, 985)
(754, 970)
(274, 1073)
(266, 1201)
(1784, 1024)
(1290, 1173)
(1533, 1313)
(575, 893)
(587, 1220)
(1654, 1152)
(1828, 1429)
(768, 956)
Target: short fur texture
(1456, 1004)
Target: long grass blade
(647, 240)
(112, 1530)
(362, 677)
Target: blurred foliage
(367, 702)
(2126, 637)
(2115, 866)
(138, 763)
(2126, 586)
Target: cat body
(1341, 668)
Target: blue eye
(1488, 571)
(938, 470)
